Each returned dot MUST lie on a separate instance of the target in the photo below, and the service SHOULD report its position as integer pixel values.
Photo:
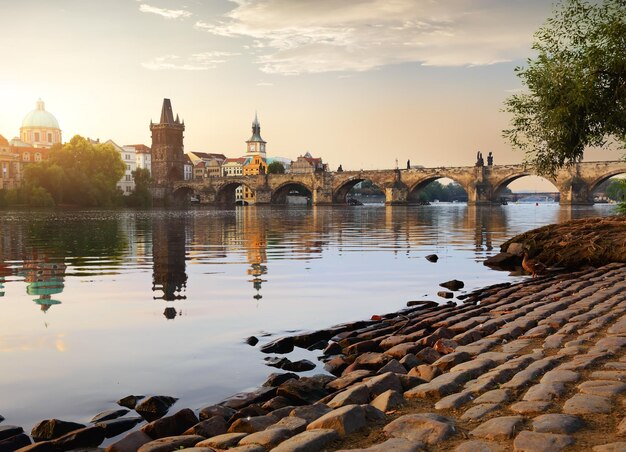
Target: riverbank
(538, 365)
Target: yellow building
(10, 166)
(255, 162)
(40, 128)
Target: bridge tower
(167, 150)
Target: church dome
(40, 118)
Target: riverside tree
(79, 173)
(575, 94)
(275, 168)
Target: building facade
(187, 168)
(10, 166)
(308, 164)
(128, 156)
(233, 167)
(40, 129)
(143, 156)
(168, 157)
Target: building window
(49, 138)
(127, 157)
(36, 136)
(128, 190)
(128, 167)
(128, 178)
(26, 157)
(37, 157)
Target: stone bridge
(483, 184)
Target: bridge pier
(395, 195)
(575, 193)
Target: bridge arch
(280, 193)
(183, 194)
(340, 194)
(599, 180)
(227, 194)
(413, 195)
(503, 183)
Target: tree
(141, 196)
(79, 173)
(576, 85)
(276, 168)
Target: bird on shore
(532, 266)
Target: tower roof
(256, 131)
(167, 116)
(39, 117)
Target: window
(128, 178)
(127, 157)
(128, 189)
(26, 157)
(128, 167)
(49, 138)
(36, 136)
(37, 156)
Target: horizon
(359, 84)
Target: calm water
(96, 305)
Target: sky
(359, 83)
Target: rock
(392, 366)
(14, 442)
(409, 381)
(333, 348)
(426, 372)
(401, 350)
(354, 395)
(478, 412)
(427, 428)
(557, 423)
(621, 427)
(224, 441)
(1, 418)
(445, 346)
(277, 403)
(371, 360)
(388, 401)
(603, 388)
(423, 303)
(114, 427)
(516, 249)
(345, 420)
(269, 438)
(252, 340)
(309, 441)
(130, 442)
(391, 445)
(7, 431)
(281, 346)
(301, 392)
(479, 446)
(494, 396)
(208, 428)
(587, 404)
(319, 345)
(252, 424)
(107, 415)
(44, 446)
(348, 379)
(281, 413)
(432, 258)
(409, 361)
(445, 294)
(171, 443)
(52, 429)
(381, 383)
(499, 428)
(216, 410)
(504, 261)
(130, 401)
(448, 361)
(453, 285)
(81, 438)
(302, 365)
(454, 401)
(560, 376)
(336, 365)
(248, 411)
(530, 407)
(294, 424)
(155, 407)
(244, 399)
(311, 412)
(171, 425)
(612, 447)
(275, 379)
(428, 355)
(541, 442)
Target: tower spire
(167, 116)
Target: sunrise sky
(359, 82)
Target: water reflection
(168, 257)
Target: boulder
(388, 401)
(208, 428)
(130, 401)
(171, 425)
(445, 294)
(171, 443)
(244, 399)
(499, 428)
(107, 415)
(427, 428)
(276, 379)
(309, 441)
(354, 395)
(301, 392)
(503, 261)
(281, 346)
(81, 438)
(345, 420)
(114, 427)
(541, 442)
(252, 424)
(216, 410)
(432, 258)
(269, 438)
(155, 407)
(557, 423)
(294, 424)
(224, 441)
(311, 412)
(276, 403)
(15, 442)
(252, 340)
(130, 442)
(453, 285)
(52, 429)
(7, 431)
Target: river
(97, 305)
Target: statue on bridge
(408, 164)
(490, 159)
(340, 169)
(479, 159)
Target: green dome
(39, 117)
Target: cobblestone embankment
(535, 366)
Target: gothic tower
(167, 147)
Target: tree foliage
(275, 168)
(78, 173)
(141, 196)
(575, 93)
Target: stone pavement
(535, 366)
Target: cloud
(313, 36)
(167, 13)
(196, 62)
(264, 84)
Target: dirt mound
(590, 241)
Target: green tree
(275, 168)
(141, 196)
(79, 173)
(575, 93)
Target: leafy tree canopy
(276, 168)
(575, 93)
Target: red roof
(141, 148)
(207, 155)
(237, 160)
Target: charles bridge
(483, 184)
